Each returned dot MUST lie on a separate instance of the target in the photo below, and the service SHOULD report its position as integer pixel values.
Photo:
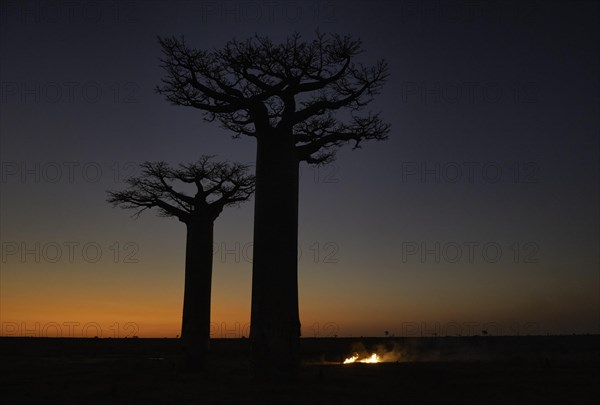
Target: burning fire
(374, 358)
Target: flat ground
(467, 370)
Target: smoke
(401, 350)
(418, 351)
(385, 353)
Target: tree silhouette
(300, 100)
(216, 185)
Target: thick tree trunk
(195, 329)
(275, 320)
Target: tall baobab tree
(216, 186)
(300, 100)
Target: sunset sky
(479, 212)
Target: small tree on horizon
(218, 185)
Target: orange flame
(374, 358)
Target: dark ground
(460, 370)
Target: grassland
(460, 370)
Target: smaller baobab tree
(216, 186)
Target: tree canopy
(261, 89)
(217, 185)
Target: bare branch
(317, 141)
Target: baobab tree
(300, 100)
(216, 186)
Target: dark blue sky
(494, 149)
